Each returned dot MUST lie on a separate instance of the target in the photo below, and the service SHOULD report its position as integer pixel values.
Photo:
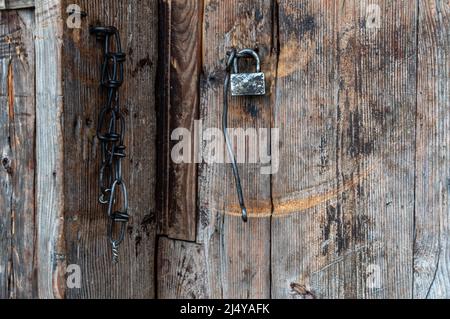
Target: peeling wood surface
(17, 135)
(85, 221)
(180, 45)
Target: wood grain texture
(238, 254)
(180, 41)
(358, 209)
(17, 135)
(432, 243)
(86, 221)
(16, 4)
(343, 218)
(49, 253)
(182, 270)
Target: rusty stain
(287, 207)
(58, 279)
(10, 89)
(295, 56)
(76, 35)
(296, 205)
(259, 211)
(146, 62)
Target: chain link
(111, 134)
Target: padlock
(247, 84)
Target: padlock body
(248, 84)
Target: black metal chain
(111, 134)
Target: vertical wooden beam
(180, 60)
(86, 220)
(49, 254)
(431, 246)
(17, 134)
(306, 114)
(238, 254)
(343, 220)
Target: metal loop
(118, 45)
(231, 58)
(105, 181)
(108, 136)
(112, 199)
(246, 53)
(112, 71)
(120, 238)
(101, 32)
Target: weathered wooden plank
(17, 109)
(182, 270)
(343, 217)
(49, 150)
(16, 4)
(86, 221)
(431, 245)
(5, 147)
(305, 111)
(238, 254)
(180, 42)
(6, 182)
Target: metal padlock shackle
(245, 54)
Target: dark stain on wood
(145, 62)
(180, 62)
(252, 109)
(357, 146)
(7, 165)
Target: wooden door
(359, 206)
